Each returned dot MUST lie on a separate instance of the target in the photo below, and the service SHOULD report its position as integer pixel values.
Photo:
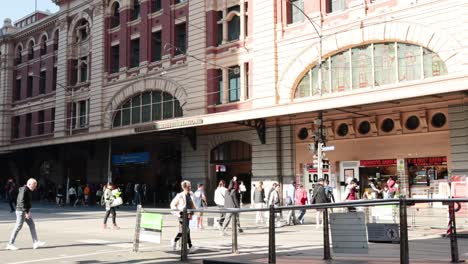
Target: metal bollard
(234, 233)
(136, 238)
(183, 243)
(453, 235)
(404, 248)
(326, 236)
(271, 236)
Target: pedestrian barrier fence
(351, 225)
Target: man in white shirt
(219, 198)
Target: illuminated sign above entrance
(140, 157)
(169, 125)
(378, 163)
(434, 161)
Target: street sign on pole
(328, 148)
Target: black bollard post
(453, 235)
(183, 245)
(404, 248)
(271, 236)
(136, 238)
(234, 233)
(326, 236)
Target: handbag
(116, 202)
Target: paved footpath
(76, 236)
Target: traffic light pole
(319, 159)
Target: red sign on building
(433, 161)
(378, 163)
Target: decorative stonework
(439, 42)
(149, 84)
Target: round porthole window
(364, 127)
(438, 120)
(303, 133)
(412, 122)
(388, 125)
(342, 130)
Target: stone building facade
(214, 88)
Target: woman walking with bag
(112, 199)
(259, 201)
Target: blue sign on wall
(140, 157)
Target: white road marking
(106, 243)
(71, 256)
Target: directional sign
(328, 148)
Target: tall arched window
(31, 50)
(43, 45)
(115, 16)
(146, 107)
(18, 55)
(82, 31)
(234, 23)
(56, 39)
(370, 65)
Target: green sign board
(151, 221)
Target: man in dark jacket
(23, 207)
(319, 196)
(231, 200)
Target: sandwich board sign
(151, 227)
(349, 233)
(386, 233)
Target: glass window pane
(384, 63)
(126, 114)
(296, 14)
(409, 62)
(433, 65)
(325, 77)
(168, 106)
(315, 87)
(234, 28)
(234, 84)
(136, 109)
(362, 66)
(146, 107)
(83, 113)
(303, 89)
(178, 110)
(157, 106)
(220, 95)
(117, 117)
(340, 72)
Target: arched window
(56, 40)
(31, 50)
(234, 23)
(43, 45)
(370, 65)
(83, 71)
(18, 54)
(115, 16)
(136, 10)
(146, 107)
(82, 31)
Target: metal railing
(402, 204)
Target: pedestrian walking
(259, 202)
(12, 193)
(99, 193)
(219, 195)
(23, 214)
(231, 201)
(110, 195)
(79, 196)
(329, 191)
(391, 187)
(72, 195)
(183, 200)
(301, 198)
(137, 193)
(319, 197)
(86, 193)
(275, 201)
(289, 190)
(60, 195)
(242, 191)
(200, 203)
